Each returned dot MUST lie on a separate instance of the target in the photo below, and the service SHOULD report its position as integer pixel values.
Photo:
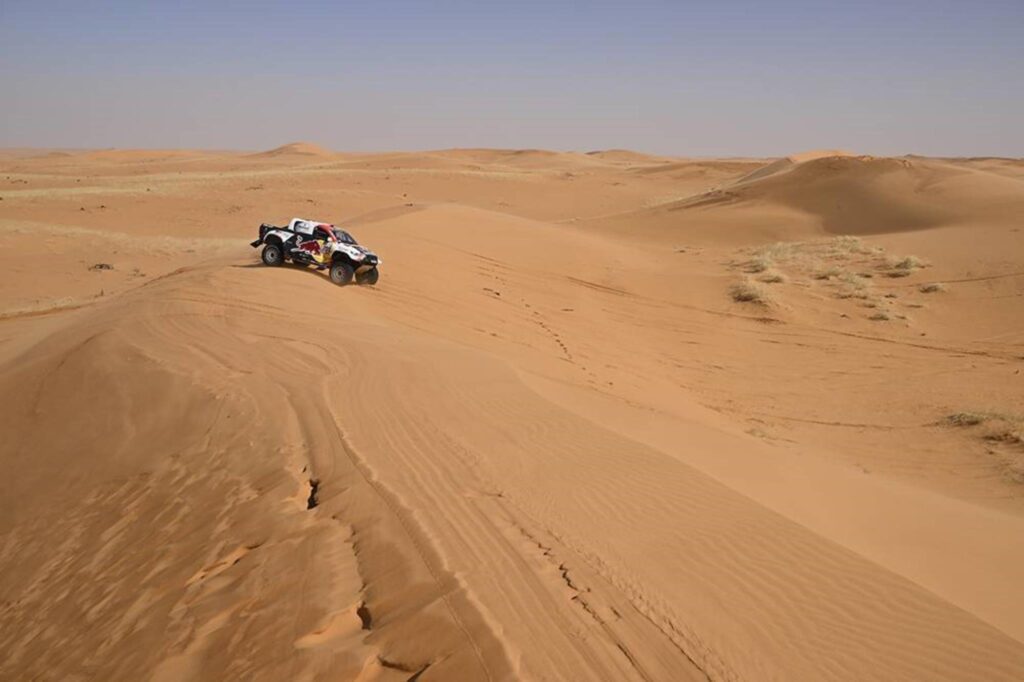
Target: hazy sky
(696, 78)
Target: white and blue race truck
(309, 242)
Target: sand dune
(295, 149)
(787, 163)
(841, 194)
(547, 445)
(864, 195)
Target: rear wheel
(342, 273)
(369, 277)
(272, 255)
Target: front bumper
(367, 264)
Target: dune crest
(815, 154)
(295, 149)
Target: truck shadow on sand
(323, 274)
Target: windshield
(343, 236)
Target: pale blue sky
(694, 78)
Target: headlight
(356, 255)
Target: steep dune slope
(189, 458)
(449, 496)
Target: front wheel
(272, 255)
(369, 277)
(342, 273)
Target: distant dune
(140, 156)
(846, 194)
(295, 149)
(867, 195)
(627, 156)
(788, 162)
(815, 154)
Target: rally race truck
(308, 242)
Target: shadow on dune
(322, 274)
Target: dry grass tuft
(856, 281)
(846, 267)
(748, 292)
(967, 418)
(909, 263)
(778, 251)
(759, 264)
(932, 288)
(1004, 434)
(1005, 427)
(848, 244)
(894, 266)
(773, 277)
(827, 273)
(1000, 427)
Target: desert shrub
(932, 287)
(759, 264)
(827, 273)
(895, 266)
(910, 263)
(1011, 421)
(880, 316)
(748, 292)
(845, 244)
(1002, 427)
(966, 418)
(777, 250)
(907, 263)
(998, 429)
(772, 277)
(856, 281)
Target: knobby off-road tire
(342, 273)
(272, 255)
(369, 277)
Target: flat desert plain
(605, 416)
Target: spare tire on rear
(341, 273)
